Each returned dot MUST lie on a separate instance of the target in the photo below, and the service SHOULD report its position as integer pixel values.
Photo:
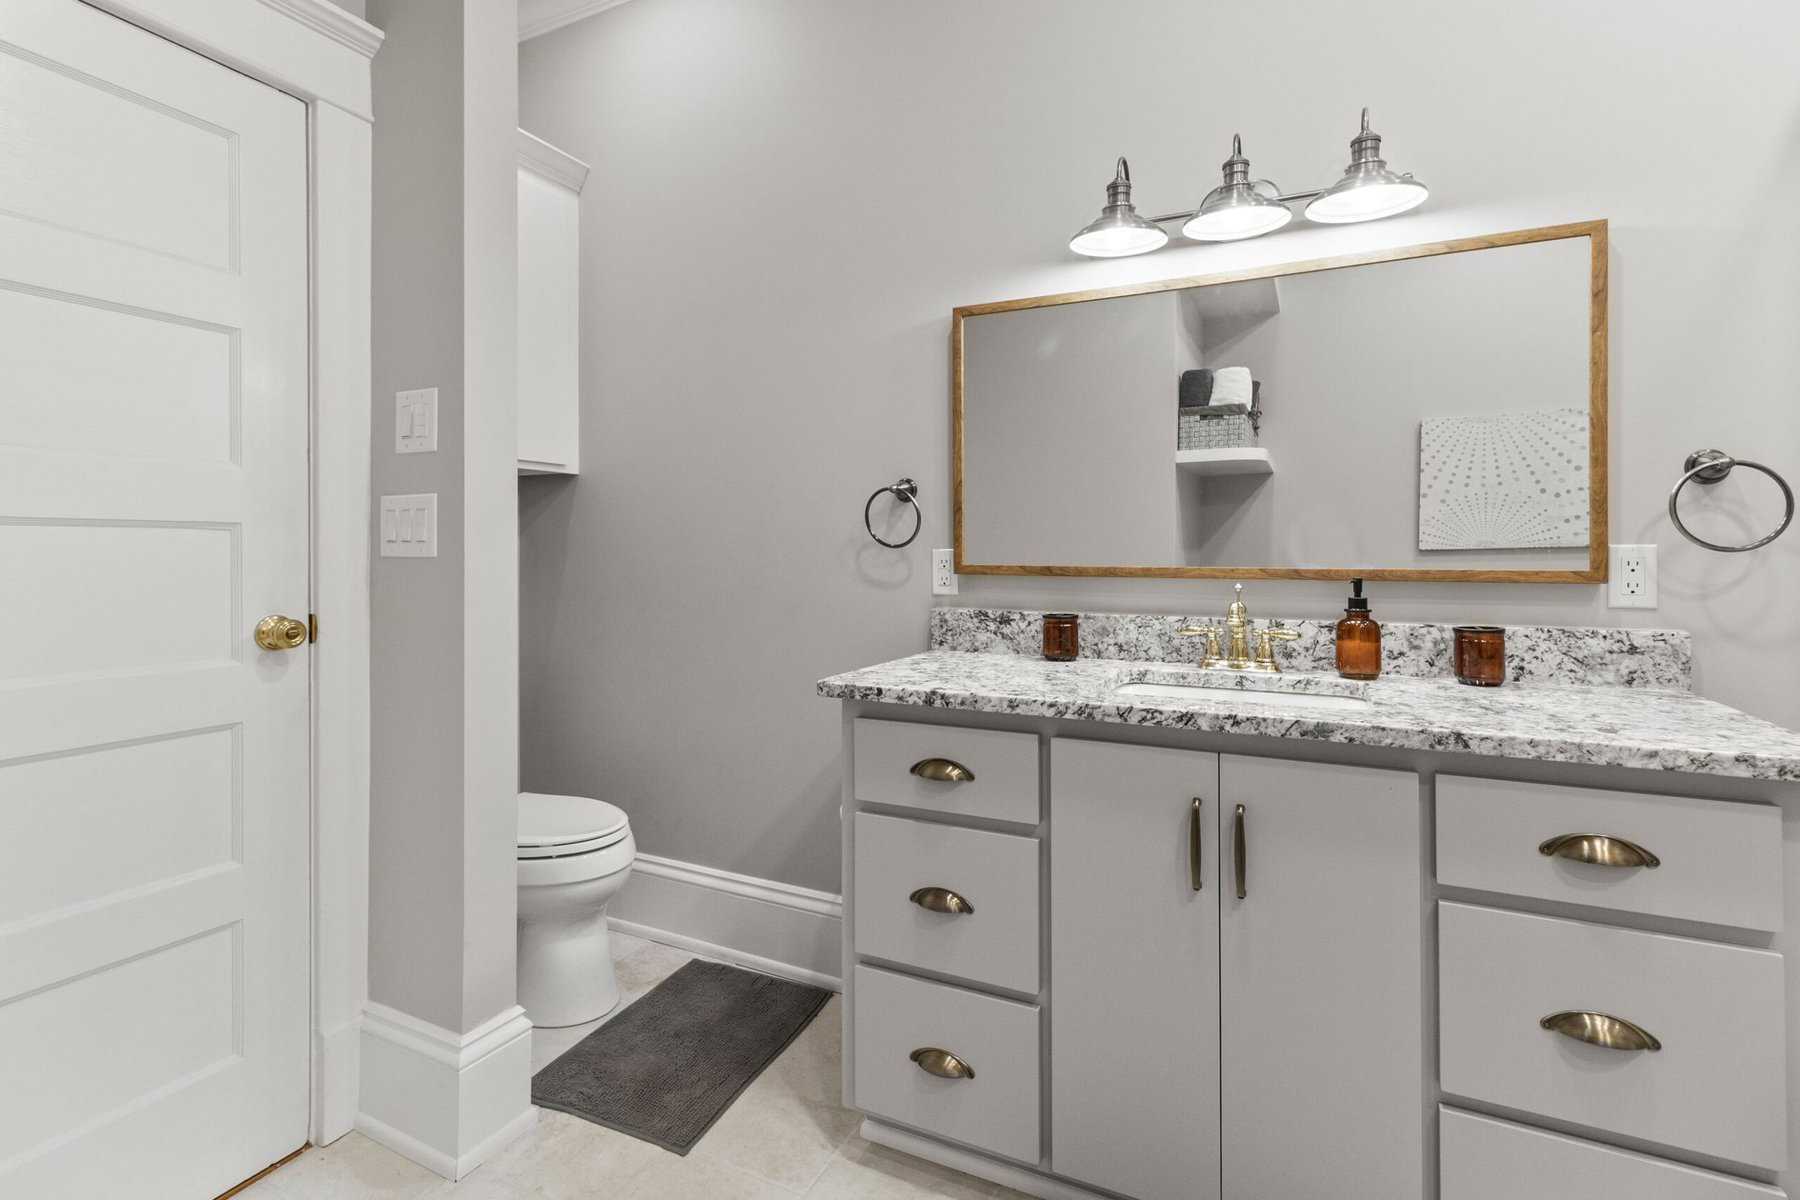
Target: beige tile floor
(786, 1136)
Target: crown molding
(321, 16)
(558, 166)
(537, 17)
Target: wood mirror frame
(1599, 533)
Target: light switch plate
(1631, 577)
(415, 421)
(409, 526)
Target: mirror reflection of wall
(1414, 414)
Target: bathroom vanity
(1104, 935)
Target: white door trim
(315, 51)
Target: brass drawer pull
(941, 1063)
(941, 900)
(1194, 845)
(1598, 1029)
(942, 770)
(1239, 853)
(1599, 849)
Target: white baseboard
(1019, 1179)
(776, 928)
(445, 1100)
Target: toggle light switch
(415, 421)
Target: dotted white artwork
(1504, 481)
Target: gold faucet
(1237, 654)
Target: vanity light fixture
(1118, 231)
(1237, 209)
(1368, 191)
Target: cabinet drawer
(996, 1109)
(1717, 1086)
(1718, 861)
(1486, 1159)
(1002, 769)
(995, 875)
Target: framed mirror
(1437, 412)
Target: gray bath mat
(668, 1066)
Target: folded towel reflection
(1196, 388)
(1231, 385)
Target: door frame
(320, 54)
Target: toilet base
(566, 974)
(565, 966)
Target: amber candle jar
(1062, 637)
(1480, 655)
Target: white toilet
(575, 854)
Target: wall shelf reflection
(1244, 460)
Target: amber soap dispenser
(1358, 638)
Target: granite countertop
(1652, 728)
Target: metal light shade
(1368, 191)
(1235, 209)
(1119, 231)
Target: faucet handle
(1212, 655)
(1265, 647)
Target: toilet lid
(552, 821)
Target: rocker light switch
(415, 421)
(409, 526)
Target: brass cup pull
(276, 632)
(942, 770)
(941, 1063)
(1599, 849)
(941, 900)
(1599, 1029)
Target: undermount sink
(1288, 691)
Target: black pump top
(1357, 602)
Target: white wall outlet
(943, 572)
(415, 421)
(1631, 579)
(409, 526)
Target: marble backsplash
(1536, 655)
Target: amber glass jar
(1358, 639)
(1480, 655)
(1062, 637)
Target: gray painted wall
(442, 888)
(789, 196)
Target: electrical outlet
(1631, 581)
(943, 572)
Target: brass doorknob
(276, 632)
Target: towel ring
(1709, 467)
(902, 489)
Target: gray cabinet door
(1134, 970)
(1323, 1052)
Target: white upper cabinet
(550, 184)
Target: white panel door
(153, 761)
(1134, 969)
(1323, 982)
